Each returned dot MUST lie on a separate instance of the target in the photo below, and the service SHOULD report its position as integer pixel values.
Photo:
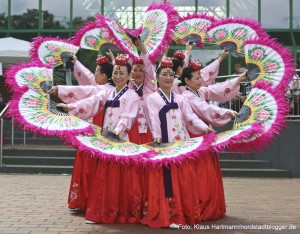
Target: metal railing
(1, 132)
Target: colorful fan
(264, 105)
(52, 51)
(106, 145)
(231, 139)
(232, 32)
(32, 75)
(119, 35)
(159, 23)
(268, 61)
(179, 150)
(193, 28)
(40, 114)
(92, 37)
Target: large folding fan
(266, 106)
(122, 39)
(158, 25)
(193, 28)
(268, 61)
(52, 51)
(39, 114)
(93, 37)
(232, 32)
(106, 145)
(177, 151)
(35, 76)
(231, 139)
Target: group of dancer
(142, 104)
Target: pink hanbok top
(208, 76)
(210, 114)
(83, 75)
(120, 113)
(71, 94)
(178, 118)
(144, 90)
(220, 92)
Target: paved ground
(38, 204)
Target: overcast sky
(274, 12)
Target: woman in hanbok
(179, 194)
(197, 95)
(112, 189)
(83, 163)
(143, 83)
(208, 73)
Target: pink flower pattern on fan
(263, 115)
(105, 34)
(91, 41)
(51, 60)
(129, 148)
(68, 121)
(257, 54)
(257, 100)
(240, 33)
(183, 29)
(41, 117)
(168, 151)
(30, 77)
(201, 27)
(101, 144)
(33, 102)
(152, 18)
(53, 47)
(46, 74)
(270, 67)
(221, 34)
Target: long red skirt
(198, 193)
(139, 138)
(82, 176)
(116, 194)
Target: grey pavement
(38, 204)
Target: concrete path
(38, 204)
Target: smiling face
(166, 78)
(138, 73)
(120, 76)
(195, 82)
(101, 78)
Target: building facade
(26, 19)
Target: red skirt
(116, 194)
(139, 138)
(81, 181)
(198, 193)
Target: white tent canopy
(13, 50)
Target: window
(275, 13)
(83, 11)
(208, 56)
(120, 10)
(140, 8)
(55, 14)
(184, 7)
(216, 8)
(244, 9)
(296, 14)
(25, 14)
(3, 13)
